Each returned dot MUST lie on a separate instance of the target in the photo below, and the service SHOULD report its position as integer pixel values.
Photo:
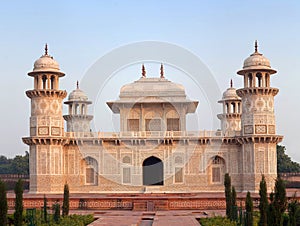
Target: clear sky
(220, 33)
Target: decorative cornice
(237, 140)
(260, 139)
(46, 93)
(257, 90)
(229, 115)
(45, 140)
(78, 117)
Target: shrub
(216, 221)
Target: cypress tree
(249, 210)
(297, 215)
(228, 195)
(45, 209)
(280, 201)
(3, 204)
(234, 214)
(292, 208)
(56, 209)
(241, 219)
(18, 203)
(233, 194)
(65, 207)
(263, 204)
(271, 211)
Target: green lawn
(71, 220)
(217, 221)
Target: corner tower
(46, 126)
(231, 116)
(258, 135)
(78, 120)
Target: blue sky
(220, 33)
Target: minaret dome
(256, 61)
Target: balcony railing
(152, 134)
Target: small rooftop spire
(231, 83)
(256, 46)
(143, 71)
(162, 71)
(46, 49)
(77, 84)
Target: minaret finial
(143, 71)
(77, 84)
(46, 49)
(231, 83)
(256, 46)
(162, 71)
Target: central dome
(152, 87)
(152, 92)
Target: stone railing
(151, 134)
(284, 175)
(14, 176)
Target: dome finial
(143, 71)
(162, 71)
(77, 84)
(256, 46)
(46, 49)
(231, 83)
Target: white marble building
(153, 152)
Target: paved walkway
(159, 218)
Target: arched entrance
(153, 171)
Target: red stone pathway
(159, 218)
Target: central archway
(153, 171)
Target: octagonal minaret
(231, 116)
(46, 126)
(259, 137)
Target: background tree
(228, 195)
(284, 162)
(65, 207)
(3, 204)
(280, 201)
(5, 164)
(263, 204)
(249, 210)
(18, 203)
(234, 209)
(18, 165)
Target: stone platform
(128, 201)
(157, 209)
(138, 201)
